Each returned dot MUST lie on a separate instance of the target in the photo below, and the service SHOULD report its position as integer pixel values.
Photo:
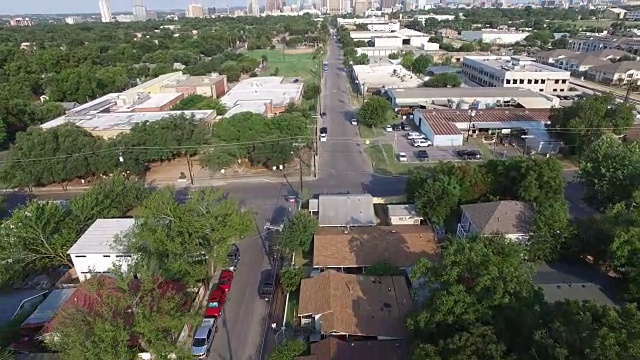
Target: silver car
(203, 338)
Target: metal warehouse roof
(99, 237)
(346, 210)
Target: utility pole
(297, 154)
(628, 94)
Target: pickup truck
(267, 285)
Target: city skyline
(117, 6)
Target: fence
(186, 329)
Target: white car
(414, 135)
(402, 157)
(388, 128)
(421, 143)
(354, 121)
(323, 137)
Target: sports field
(290, 65)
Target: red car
(225, 280)
(215, 303)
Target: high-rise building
(253, 8)
(273, 6)
(195, 11)
(139, 11)
(332, 6)
(105, 10)
(388, 4)
(360, 7)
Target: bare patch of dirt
(299, 51)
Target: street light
(472, 113)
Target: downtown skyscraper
(253, 8)
(105, 10)
(139, 11)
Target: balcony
(463, 230)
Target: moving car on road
(421, 143)
(402, 157)
(323, 133)
(203, 338)
(215, 303)
(233, 257)
(267, 285)
(354, 121)
(225, 280)
(469, 154)
(422, 155)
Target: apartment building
(633, 15)
(514, 71)
(586, 44)
(621, 73)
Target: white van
(414, 135)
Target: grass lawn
(384, 162)
(302, 259)
(292, 310)
(369, 133)
(290, 65)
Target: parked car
(215, 303)
(203, 338)
(421, 143)
(324, 130)
(422, 155)
(354, 121)
(233, 257)
(323, 134)
(225, 280)
(402, 157)
(396, 127)
(469, 154)
(267, 285)
(388, 128)
(404, 126)
(414, 135)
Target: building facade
(514, 71)
(587, 44)
(105, 10)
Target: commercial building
(621, 73)
(269, 95)
(214, 86)
(444, 127)
(579, 63)
(20, 22)
(360, 7)
(99, 250)
(253, 8)
(493, 36)
(385, 27)
(586, 44)
(72, 20)
(514, 71)
(371, 78)
(402, 37)
(195, 11)
(273, 6)
(422, 18)
(615, 13)
(356, 21)
(105, 10)
(405, 100)
(139, 11)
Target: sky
(11, 7)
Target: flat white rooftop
(154, 82)
(122, 121)
(389, 76)
(248, 94)
(513, 63)
(154, 101)
(98, 104)
(100, 237)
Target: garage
(440, 132)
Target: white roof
(379, 76)
(409, 32)
(252, 92)
(346, 210)
(122, 121)
(401, 210)
(99, 237)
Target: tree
(290, 278)
(421, 63)
(383, 268)
(437, 198)
(443, 80)
(232, 70)
(288, 350)
(311, 91)
(162, 220)
(478, 343)
(37, 236)
(551, 231)
(200, 102)
(582, 123)
(297, 233)
(374, 112)
(610, 171)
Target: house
(352, 250)
(344, 210)
(510, 218)
(610, 54)
(580, 63)
(619, 73)
(97, 251)
(333, 348)
(570, 281)
(355, 306)
(405, 214)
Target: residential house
(610, 54)
(335, 349)
(508, 217)
(405, 214)
(579, 63)
(355, 306)
(572, 281)
(620, 73)
(352, 250)
(97, 251)
(344, 210)
(550, 57)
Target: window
(561, 90)
(521, 81)
(508, 81)
(541, 90)
(123, 256)
(529, 81)
(80, 256)
(213, 305)
(106, 256)
(554, 90)
(536, 81)
(402, 218)
(557, 81)
(543, 81)
(564, 81)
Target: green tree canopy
(375, 111)
(290, 278)
(443, 81)
(297, 233)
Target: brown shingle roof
(487, 115)
(504, 217)
(335, 349)
(401, 245)
(587, 60)
(617, 68)
(357, 304)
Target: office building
(388, 4)
(139, 11)
(195, 11)
(71, 20)
(253, 8)
(514, 71)
(332, 6)
(20, 22)
(273, 6)
(105, 10)
(360, 7)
